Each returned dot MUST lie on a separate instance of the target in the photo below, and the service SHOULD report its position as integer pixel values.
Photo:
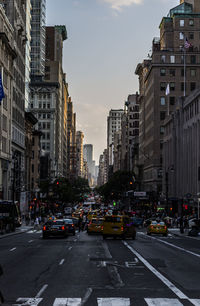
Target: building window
(32, 168)
(172, 72)
(191, 35)
(5, 104)
(192, 72)
(4, 145)
(182, 59)
(172, 59)
(162, 130)
(162, 115)
(182, 72)
(192, 86)
(4, 123)
(162, 86)
(44, 116)
(44, 105)
(191, 22)
(162, 101)
(193, 59)
(162, 72)
(163, 58)
(181, 35)
(33, 154)
(40, 105)
(182, 86)
(182, 23)
(172, 86)
(172, 100)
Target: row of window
(190, 22)
(44, 125)
(45, 145)
(191, 110)
(178, 59)
(173, 72)
(163, 86)
(41, 96)
(44, 116)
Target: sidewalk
(176, 232)
(19, 230)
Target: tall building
(88, 155)
(71, 141)
(170, 63)
(28, 53)
(79, 149)
(113, 125)
(6, 69)
(38, 19)
(55, 37)
(16, 13)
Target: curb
(15, 233)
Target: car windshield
(154, 222)
(113, 219)
(68, 221)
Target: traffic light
(114, 203)
(57, 183)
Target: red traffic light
(57, 183)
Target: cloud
(118, 4)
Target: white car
(191, 222)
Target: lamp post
(171, 169)
(198, 195)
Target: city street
(87, 270)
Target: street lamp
(198, 195)
(171, 169)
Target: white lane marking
(11, 250)
(107, 252)
(41, 291)
(113, 302)
(30, 241)
(61, 262)
(176, 247)
(195, 302)
(28, 301)
(70, 248)
(163, 302)
(171, 286)
(86, 296)
(67, 302)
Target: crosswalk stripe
(113, 302)
(163, 302)
(28, 301)
(67, 302)
(195, 302)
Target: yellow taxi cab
(157, 228)
(92, 214)
(95, 225)
(118, 226)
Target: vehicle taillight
(44, 228)
(102, 227)
(151, 227)
(72, 225)
(63, 228)
(165, 227)
(122, 228)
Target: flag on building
(167, 91)
(187, 44)
(2, 95)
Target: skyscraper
(38, 15)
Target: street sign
(140, 193)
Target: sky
(106, 41)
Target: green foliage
(64, 190)
(120, 182)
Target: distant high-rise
(113, 125)
(38, 37)
(88, 153)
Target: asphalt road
(87, 270)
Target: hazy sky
(106, 41)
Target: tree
(120, 182)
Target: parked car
(54, 228)
(157, 228)
(70, 226)
(118, 226)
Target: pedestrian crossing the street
(115, 301)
